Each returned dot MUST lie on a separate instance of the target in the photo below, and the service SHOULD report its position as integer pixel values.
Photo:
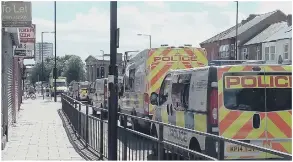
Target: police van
(250, 103)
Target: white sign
(27, 42)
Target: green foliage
(70, 66)
(74, 69)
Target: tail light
(146, 103)
(214, 107)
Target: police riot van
(250, 103)
(144, 74)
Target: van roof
(221, 66)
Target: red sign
(27, 35)
(175, 58)
(259, 81)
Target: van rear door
(241, 110)
(278, 104)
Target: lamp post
(43, 62)
(236, 37)
(103, 56)
(112, 81)
(150, 38)
(55, 66)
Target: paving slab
(39, 134)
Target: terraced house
(222, 45)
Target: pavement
(39, 134)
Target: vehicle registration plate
(237, 148)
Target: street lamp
(43, 62)
(55, 59)
(236, 37)
(150, 38)
(103, 55)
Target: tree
(74, 69)
(61, 63)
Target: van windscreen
(258, 92)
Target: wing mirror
(154, 98)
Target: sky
(83, 28)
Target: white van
(101, 93)
(241, 102)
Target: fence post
(101, 135)
(160, 145)
(87, 125)
(124, 125)
(78, 121)
(221, 149)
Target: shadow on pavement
(77, 144)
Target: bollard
(87, 126)
(160, 145)
(124, 125)
(101, 135)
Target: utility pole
(42, 66)
(55, 66)
(236, 37)
(113, 79)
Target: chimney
(251, 16)
(289, 20)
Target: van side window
(180, 92)
(131, 79)
(164, 90)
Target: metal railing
(134, 145)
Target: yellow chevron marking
(274, 130)
(156, 53)
(161, 65)
(286, 116)
(256, 133)
(223, 112)
(159, 82)
(236, 125)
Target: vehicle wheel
(33, 96)
(194, 145)
(134, 125)
(94, 112)
(104, 113)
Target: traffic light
(102, 72)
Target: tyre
(33, 96)
(194, 145)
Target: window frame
(244, 52)
(267, 55)
(184, 90)
(232, 49)
(272, 54)
(286, 52)
(258, 53)
(131, 80)
(162, 89)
